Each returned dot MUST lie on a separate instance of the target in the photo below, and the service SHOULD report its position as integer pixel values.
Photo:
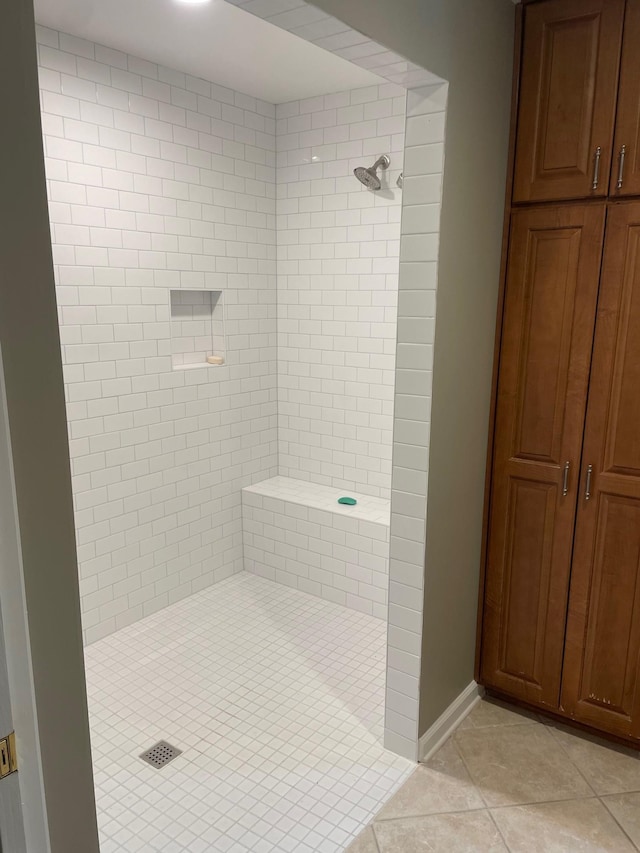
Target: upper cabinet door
(568, 91)
(601, 683)
(625, 174)
(549, 315)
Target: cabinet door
(550, 305)
(568, 91)
(601, 682)
(625, 174)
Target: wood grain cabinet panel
(601, 682)
(550, 305)
(559, 616)
(625, 174)
(569, 81)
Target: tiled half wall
(299, 535)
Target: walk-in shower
(229, 303)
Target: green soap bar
(348, 501)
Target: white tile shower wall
(158, 181)
(419, 276)
(424, 163)
(300, 536)
(338, 262)
(310, 23)
(420, 230)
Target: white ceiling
(216, 41)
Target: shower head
(369, 177)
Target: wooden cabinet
(569, 80)
(546, 352)
(625, 174)
(601, 683)
(560, 596)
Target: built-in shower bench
(296, 533)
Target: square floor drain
(160, 754)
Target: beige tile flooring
(510, 781)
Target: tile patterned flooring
(276, 699)
(508, 781)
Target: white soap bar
(215, 359)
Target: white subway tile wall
(426, 110)
(158, 181)
(338, 265)
(424, 163)
(310, 23)
(299, 535)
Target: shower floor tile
(275, 698)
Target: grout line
(494, 727)
(570, 760)
(375, 838)
(430, 814)
(540, 803)
(498, 830)
(466, 767)
(619, 793)
(617, 822)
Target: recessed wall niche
(197, 328)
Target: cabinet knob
(565, 479)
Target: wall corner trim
(448, 721)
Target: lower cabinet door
(601, 678)
(550, 307)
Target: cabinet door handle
(587, 488)
(565, 479)
(596, 168)
(623, 154)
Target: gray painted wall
(38, 568)
(470, 44)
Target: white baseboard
(448, 721)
